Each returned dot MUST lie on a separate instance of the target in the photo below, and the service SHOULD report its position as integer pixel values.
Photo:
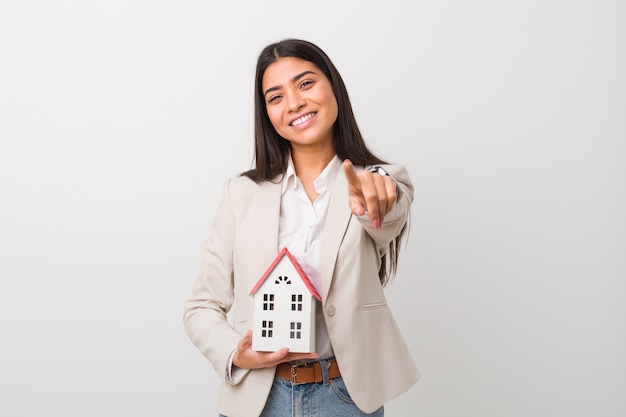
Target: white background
(121, 119)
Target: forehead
(284, 69)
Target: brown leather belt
(306, 373)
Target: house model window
(284, 307)
(268, 302)
(267, 329)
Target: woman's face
(300, 102)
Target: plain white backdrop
(121, 119)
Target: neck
(309, 165)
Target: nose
(295, 102)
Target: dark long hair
(271, 151)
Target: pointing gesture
(370, 193)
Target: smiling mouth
(303, 119)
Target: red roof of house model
(298, 268)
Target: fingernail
(376, 224)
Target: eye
(306, 83)
(273, 98)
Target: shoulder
(241, 182)
(242, 187)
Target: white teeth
(302, 119)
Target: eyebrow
(293, 80)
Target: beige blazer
(373, 358)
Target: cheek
(334, 109)
(274, 117)
(332, 104)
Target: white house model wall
(284, 308)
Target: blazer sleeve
(205, 312)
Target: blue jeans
(323, 399)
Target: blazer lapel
(337, 221)
(266, 230)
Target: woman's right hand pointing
(370, 193)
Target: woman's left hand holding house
(246, 358)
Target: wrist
(379, 169)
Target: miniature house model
(284, 307)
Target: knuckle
(371, 198)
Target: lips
(303, 119)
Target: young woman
(317, 190)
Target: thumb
(246, 341)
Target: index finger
(350, 172)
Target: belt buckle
(293, 372)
